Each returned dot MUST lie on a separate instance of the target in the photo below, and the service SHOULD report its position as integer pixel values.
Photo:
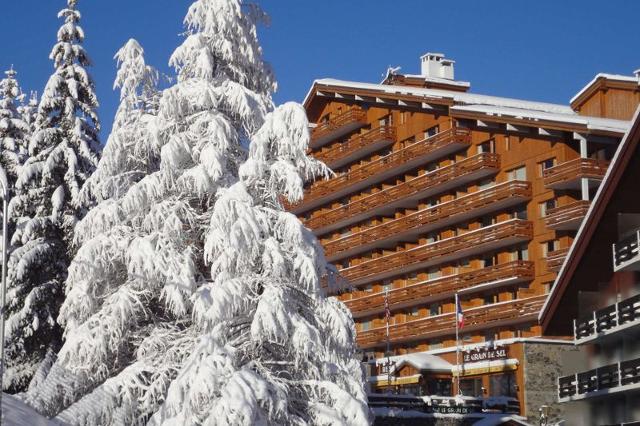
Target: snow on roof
(592, 123)
(420, 361)
(457, 97)
(17, 413)
(439, 80)
(616, 77)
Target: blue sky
(540, 50)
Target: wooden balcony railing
(562, 175)
(609, 379)
(373, 138)
(555, 259)
(626, 253)
(441, 288)
(607, 320)
(450, 248)
(349, 120)
(567, 217)
(410, 188)
(437, 215)
(384, 167)
(515, 311)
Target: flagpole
(387, 314)
(457, 345)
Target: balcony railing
(568, 175)
(567, 217)
(337, 126)
(626, 253)
(475, 204)
(609, 320)
(357, 146)
(490, 237)
(442, 288)
(377, 171)
(555, 259)
(437, 181)
(483, 317)
(608, 379)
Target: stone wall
(544, 363)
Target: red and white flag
(459, 314)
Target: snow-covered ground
(17, 413)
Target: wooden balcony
(337, 126)
(387, 200)
(476, 204)
(619, 378)
(568, 175)
(567, 217)
(621, 317)
(444, 287)
(402, 160)
(480, 240)
(626, 253)
(357, 146)
(483, 317)
(555, 259)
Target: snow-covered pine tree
(29, 112)
(14, 130)
(130, 153)
(128, 309)
(274, 349)
(63, 153)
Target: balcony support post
(613, 251)
(595, 323)
(575, 330)
(584, 186)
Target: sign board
(485, 354)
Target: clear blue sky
(540, 50)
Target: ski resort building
(439, 191)
(596, 300)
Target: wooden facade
(429, 200)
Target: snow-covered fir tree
(128, 313)
(131, 152)
(274, 349)
(14, 129)
(63, 152)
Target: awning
(380, 381)
(483, 367)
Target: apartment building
(596, 300)
(439, 191)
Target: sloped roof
(586, 232)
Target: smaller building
(596, 299)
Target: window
(503, 385)
(519, 173)
(387, 285)
(435, 344)
(487, 221)
(368, 288)
(519, 213)
(520, 253)
(545, 206)
(471, 387)
(434, 309)
(489, 336)
(490, 298)
(485, 183)
(488, 261)
(387, 120)
(486, 147)
(439, 387)
(550, 246)
(546, 164)
(413, 312)
(432, 237)
(365, 325)
(433, 273)
(431, 131)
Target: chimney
(436, 65)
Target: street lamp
(3, 291)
